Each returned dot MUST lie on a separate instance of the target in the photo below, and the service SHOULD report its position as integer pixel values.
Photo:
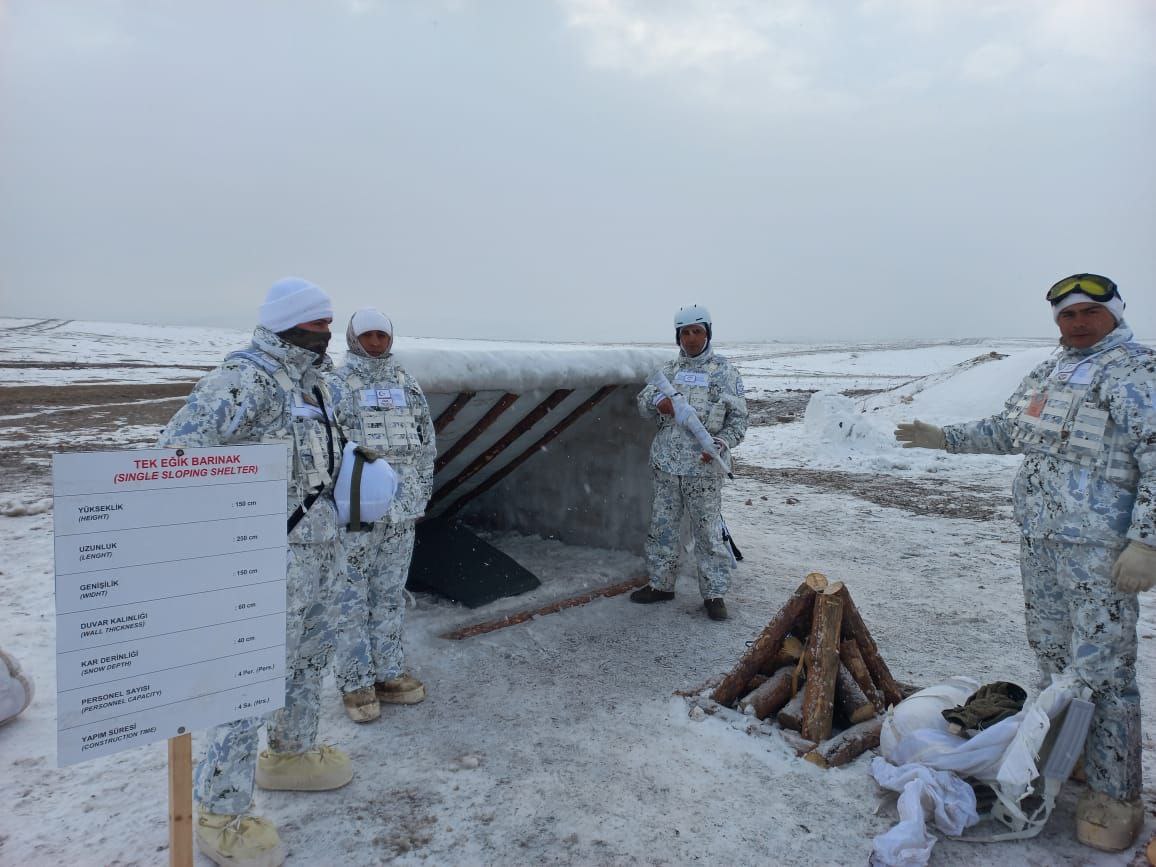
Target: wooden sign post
(181, 801)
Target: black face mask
(314, 341)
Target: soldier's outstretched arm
(920, 435)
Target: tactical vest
(1063, 417)
(705, 397)
(309, 468)
(386, 420)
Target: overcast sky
(578, 169)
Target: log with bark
(822, 660)
(791, 716)
(850, 656)
(765, 646)
(854, 627)
(768, 698)
(848, 745)
(850, 702)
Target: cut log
(850, 702)
(771, 696)
(854, 627)
(817, 581)
(551, 608)
(765, 647)
(791, 716)
(822, 660)
(796, 741)
(850, 656)
(790, 653)
(848, 745)
(757, 680)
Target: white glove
(1135, 568)
(920, 435)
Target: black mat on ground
(451, 561)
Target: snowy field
(560, 741)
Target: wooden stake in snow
(822, 660)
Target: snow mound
(17, 508)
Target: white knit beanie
(1115, 305)
(292, 301)
(365, 319)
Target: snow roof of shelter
(529, 368)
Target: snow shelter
(543, 441)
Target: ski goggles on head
(1093, 285)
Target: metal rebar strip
(553, 432)
(451, 412)
(532, 418)
(504, 403)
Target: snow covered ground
(559, 741)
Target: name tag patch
(692, 379)
(385, 398)
(1074, 372)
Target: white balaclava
(291, 301)
(1115, 305)
(366, 319)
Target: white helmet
(693, 315)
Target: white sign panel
(170, 592)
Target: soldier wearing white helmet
(687, 479)
(1085, 498)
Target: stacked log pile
(816, 671)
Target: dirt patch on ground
(781, 407)
(103, 365)
(38, 420)
(935, 498)
(784, 407)
(80, 398)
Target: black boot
(646, 595)
(716, 609)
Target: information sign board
(170, 592)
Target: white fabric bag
(377, 489)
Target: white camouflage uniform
(682, 482)
(260, 395)
(1084, 420)
(383, 408)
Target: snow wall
(544, 440)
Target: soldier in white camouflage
(273, 392)
(687, 479)
(381, 407)
(1085, 498)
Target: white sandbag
(378, 487)
(16, 688)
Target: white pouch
(376, 490)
